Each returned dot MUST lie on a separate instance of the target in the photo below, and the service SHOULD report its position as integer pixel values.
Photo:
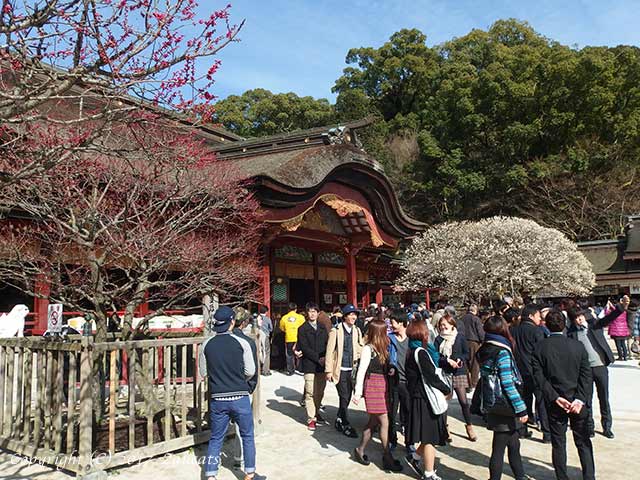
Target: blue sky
(300, 45)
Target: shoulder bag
(436, 398)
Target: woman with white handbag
(428, 391)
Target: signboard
(635, 289)
(328, 299)
(54, 318)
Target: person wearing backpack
(426, 426)
(372, 384)
(501, 402)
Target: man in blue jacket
(230, 367)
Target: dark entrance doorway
(301, 292)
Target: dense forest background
(503, 121)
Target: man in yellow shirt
(289, 324)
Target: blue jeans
(222, 411)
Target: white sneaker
(431, 477)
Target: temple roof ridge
(335, 134)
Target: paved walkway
(288, 451)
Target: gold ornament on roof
(342, 207)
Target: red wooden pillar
(352, 277)
(266, 277)
(379, 297)
(428, 299)
(143, 308)
(160, 363)
(42, 289)
(366, 299)
(125, 368)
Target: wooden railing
(51, 393)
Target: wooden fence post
(85, 449)
(256, 397)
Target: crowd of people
(515, 367)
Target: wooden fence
(149, 392)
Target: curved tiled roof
(290, 169)
(304, 168)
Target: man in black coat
(527, 335)
(587, 328)
(312, 342)
(561, 371)
(474, 333)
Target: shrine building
(333, 221)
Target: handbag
(635, 347)
(492, 397)
(436, 398)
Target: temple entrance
(302, 291)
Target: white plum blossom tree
(480, 259)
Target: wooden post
(16, 428)
(379, 297)
(131, 359)
(113, 389)
(352, 277)
(144, 308)
(428, 299)
(71, 402)
(366, 299)
(48, 399)
(146, 365)
(256, 397)
(42, 289)
(183, 417)
(197, 389)
(8, 392)
(59, 399)
(28, 372)
(266, 277)
(124, 367)
(41, 364)
(85, 447)
(160, 352)
(167, 393)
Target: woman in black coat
(453, 344)
(424, 426)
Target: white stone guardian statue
(12, 323)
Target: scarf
(430, 348)
(448, 339)
(492, 337)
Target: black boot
(391, 464)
